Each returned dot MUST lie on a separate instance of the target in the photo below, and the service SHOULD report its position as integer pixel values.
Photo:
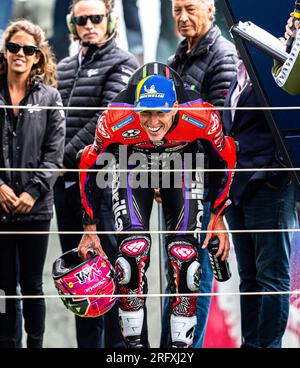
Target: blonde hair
(46, 67)
(109, 4)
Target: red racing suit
(123, 127)
(132, 207)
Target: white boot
(131, 327)
(182, 331)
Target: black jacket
(209, 68)
(37, 141)
(93, 83)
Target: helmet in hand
(95, 276)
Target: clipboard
(260, 39)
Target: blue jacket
(257, 147)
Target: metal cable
(136, 232)
(153, 295)
(123, 108)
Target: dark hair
(46, 67)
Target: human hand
(63, 171)
(88, 242)
(157, 195)
(223, 237)
(289, 25)
(8, 199)
(26, 202)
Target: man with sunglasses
(92, 78)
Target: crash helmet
(74, 277)
(184, 92)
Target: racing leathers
(121, 141)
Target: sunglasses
(95, 19)
(14, 48)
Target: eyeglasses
(95, 19)
(14, 48)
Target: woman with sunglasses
(31, 138)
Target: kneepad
(185, 268)
(132, 261)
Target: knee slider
(133, 260)
(123, 271)
(185, 266)
(193, 276)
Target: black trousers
(22, 261)
(103, 331)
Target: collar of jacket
(203, 46)
(100, 51)
(36, 84)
